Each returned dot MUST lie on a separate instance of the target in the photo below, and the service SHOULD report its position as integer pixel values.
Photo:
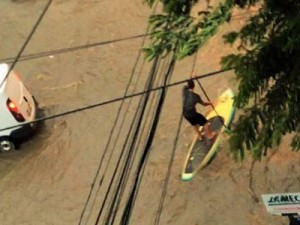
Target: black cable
(134, 191)
(163, 71)
(119, 132)
(119, 191)
(71, 49)
(27, 40)
(125, 114)
(75, 48)
(113, 147)
(113, 217)
(168, 174)
(171, 161)
(133, 133)
(115, 100)
(111, 133)
(123, 178)
(126, 165)
(148, 116)
(122, 152)
(132, 198)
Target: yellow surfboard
(201, 152)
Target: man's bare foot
(201, 138)
(212, 135)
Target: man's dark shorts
(196, 119)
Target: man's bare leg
(198, 133)
(210, 134)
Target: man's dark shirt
(190, 99)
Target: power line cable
(122, 123)
(124, 176)
(120, 157)
(168, 174)
(119, 190)
(148, 116)
(111, 152)
(79, 47)
(109, 219)
(27, 40)
(111, 134)
(114, 100)
(71, 49)
(126, 164)
(113, 217)
(171, 161)
(133, 132)
(134, 191)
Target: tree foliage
(267, 66)
(176, 31)
(268, 73)
(175, 7)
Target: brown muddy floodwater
(49, 181)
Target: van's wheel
(7, 145)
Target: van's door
(16, 91)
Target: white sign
(283, 203)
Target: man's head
(191, 84)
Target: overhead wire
(137, 124)
(120, 129)
(171, 161)
(168, 174)
(122, 179)
(79, 47)
(148, 116)
(125, 175)
(135, 189)
(122, 183)
(214, 73)
(110, 137)
(27, 40)
(118, 191)
(108, 162)
(163, 71)
(113, 147)
(118, 115)
(70, 49)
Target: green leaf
(231, 37)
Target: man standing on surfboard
(190, 100)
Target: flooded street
(76, 166)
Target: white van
(17, 106)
